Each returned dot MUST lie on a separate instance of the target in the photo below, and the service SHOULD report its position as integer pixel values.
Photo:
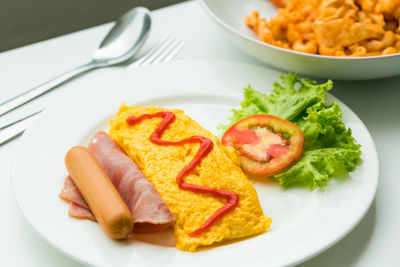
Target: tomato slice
(268, 145)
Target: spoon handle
(31, 94)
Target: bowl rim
(317, 56)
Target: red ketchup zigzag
(206, 146)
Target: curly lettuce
(329, 151)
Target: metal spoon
(124, 39)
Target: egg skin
(219, 169)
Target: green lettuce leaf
(317, 166)
(330, 149)
(323, 128)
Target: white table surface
(374, 242)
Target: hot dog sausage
(99, 193)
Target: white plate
(229, 17)
(304, 223)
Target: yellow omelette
(219, 169)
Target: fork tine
(167, 51)
(159, 51)
(162, 51)
(173, 53)
(151, 51)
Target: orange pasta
(353, 28)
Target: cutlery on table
(163, 51)
(120, 44)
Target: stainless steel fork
(163, 51)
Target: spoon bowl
(125, 38)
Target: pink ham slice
(150, 213)
(80, 213)
(78, 207)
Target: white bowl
(229, 16)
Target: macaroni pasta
(353, 28)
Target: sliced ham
(150, 213)
(78, 212)
(71, 194)
(78, 207)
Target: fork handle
(27, 96)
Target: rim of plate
(237, 32)
(331, 242)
